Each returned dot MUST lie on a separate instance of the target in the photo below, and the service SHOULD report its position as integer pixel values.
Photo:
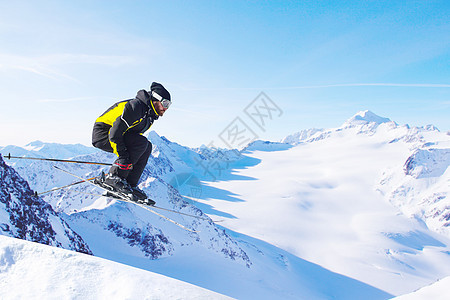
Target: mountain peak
(36, 143)
(365, 117)
(55, 150)
(34, 146)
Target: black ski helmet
(160, 90)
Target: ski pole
(60, 160)
(62, 187)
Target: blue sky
(62, 63)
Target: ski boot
(141, 197)
(115, 184)
(138, 193)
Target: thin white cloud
(424, 85)
(49, 65)
(34, 70)
(105, 60)
(65, 100)
(35, 65)
(418, 85)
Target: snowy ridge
(422, 189)
(298, 137)
(187, 159)
(364, 122)
(25, 216)
(138, 229)
(55, 150)
(266, 146)
(365, 117)
(427, 163)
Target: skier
(119, 130)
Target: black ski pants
(139, 149)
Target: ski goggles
(165, 102)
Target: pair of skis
(120, 197)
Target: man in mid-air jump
(119, 130)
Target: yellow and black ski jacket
(133, 115)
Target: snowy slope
(342, 199)
(422, 188)
(435, 291)
(34, 271)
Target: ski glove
(123, 163)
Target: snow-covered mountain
(364, 118)
(368, 200)
(54, 150)
(25, 216)
(298, 137)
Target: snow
(267, 146)
(301, 136)
(350, 212)
(365, 117)
(33, 271)
(433, 163)
(435, 291)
